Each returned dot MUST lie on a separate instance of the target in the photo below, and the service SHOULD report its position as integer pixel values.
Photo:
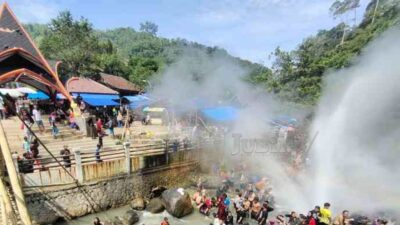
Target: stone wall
(47, 206)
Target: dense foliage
(137, 55)
(298, 73)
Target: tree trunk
(355, 16)
(375, 10)
(344, 34)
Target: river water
(146, 218)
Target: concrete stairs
(15, 135)
(75, 139)
(140, 136)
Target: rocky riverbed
(145, 218)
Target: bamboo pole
(15, 183)
(6, 207)
(4, 218)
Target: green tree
(74, 43)
(340, 8)
(149, 27)
(141, 69)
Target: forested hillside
(297, 75)
(139, 54)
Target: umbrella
(26, 90)
(12, 92)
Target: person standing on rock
(165, 221)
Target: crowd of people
(251, 202)
(59, 114)
(245, 199)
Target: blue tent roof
(137, 101)
(39, 95)
(221, 114)
(99, 99)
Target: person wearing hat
(66, 155)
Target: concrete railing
(88, 167)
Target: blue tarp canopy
(283, 120)
(221, 113)
(99, 99)
(138, 101)
(39, 95)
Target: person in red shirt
(205, 207)
(311, 218)
(165, 221)
(222, 213)
(99, 126)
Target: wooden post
(127, 157)
(166, 151)
(141, 162)
(15, 183)
(78, 166)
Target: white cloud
(253, 28)
(34, 11)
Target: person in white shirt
(38, 118)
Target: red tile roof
(118, 82)
(85, 85)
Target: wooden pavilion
(21, 61)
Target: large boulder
(115, 221)
(155, 206)
(130, 217)
(138, 204)
(177, 202)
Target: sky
(249, 29)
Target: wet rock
(360, 220)
(138, 204)
(130, 217)
(115, 221)
(177, 202)
(155, 206)
(42, 214)
(157, 191)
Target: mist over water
(355, 160)
(356, 157)
(199, 80)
